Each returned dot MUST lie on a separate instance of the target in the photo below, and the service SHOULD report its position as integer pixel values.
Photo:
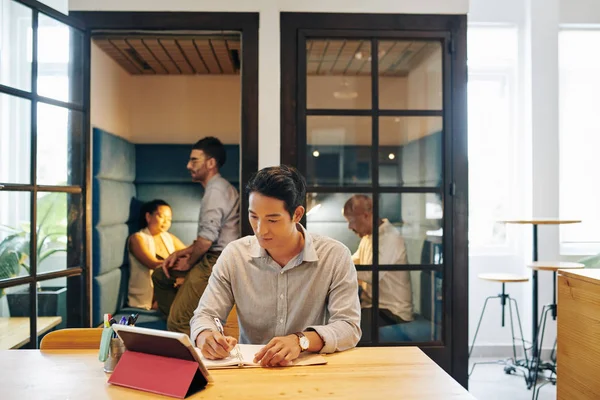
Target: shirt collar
(308, 254)
(213, 179)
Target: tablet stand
(157, 374)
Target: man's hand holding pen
(214, 345)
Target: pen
(123, 321)
(238, 355)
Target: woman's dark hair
(283, 182)
(150, 207)
(213, 148)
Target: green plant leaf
(48, 253)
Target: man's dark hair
(213, 148)
(283, 183)
(150, 207)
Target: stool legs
(503, 300)
(547, 309)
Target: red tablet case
(157, 374)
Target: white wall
(269, 45)
(111, 90)
(183, 109)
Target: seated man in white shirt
(294, 291)
(395, 292)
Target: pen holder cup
(115, 351)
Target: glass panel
(410, 151)
(338, 74)
(15, 45)
(418, 218)
(59, 225)
(15, 219)
(338, 151)
(15, 140)
(325, 217)
(14, 317)
(59, 146)
(410, 306)
(60, 75)
(410, 75)
(56, 294)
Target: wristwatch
(302, 341)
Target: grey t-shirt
(219, 219)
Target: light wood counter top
(362, 373)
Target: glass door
(374, 115)
(43, 168)
(373, 130)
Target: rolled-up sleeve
(342, 331)
(211, 214)
(217, 299)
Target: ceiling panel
(186, 54)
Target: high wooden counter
(364, 373)
(578, 358)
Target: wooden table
(14, 331)
(362, 373)
(578, 332)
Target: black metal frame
(452, 352)
(75, 295)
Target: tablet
(160, 343)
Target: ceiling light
(358, 55)
(316, 153)
(397, 119)
(391, 156)
(345, 93)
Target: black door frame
(245, 23)
(77, 262)
(293, 27)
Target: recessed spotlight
(391, 156)
(358, 55)
(316, 153)
(397, 119)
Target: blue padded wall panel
(184, 198)
(185, 231)
(114, 157)
(166, 163)
(114, 200)
(106, 298)
(110, 248)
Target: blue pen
(123, 321)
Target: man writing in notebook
(294, 291)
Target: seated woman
(147, 250)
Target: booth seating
(124, 176)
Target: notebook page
(230, 361)
(249, 350)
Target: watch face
(304, 343)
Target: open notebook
(247, 352)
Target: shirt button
(281, 321)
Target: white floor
(489, 382)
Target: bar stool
(503, 278)
(552, 266)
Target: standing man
(294, 291)
(395, 291)
(218, 224)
